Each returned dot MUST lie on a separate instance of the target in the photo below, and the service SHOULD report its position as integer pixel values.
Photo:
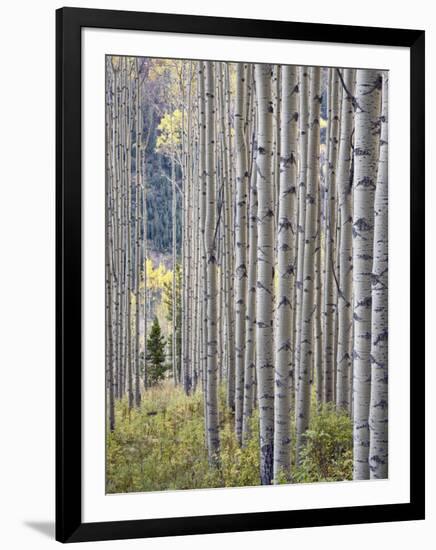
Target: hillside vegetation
(161, 446)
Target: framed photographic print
(240, 274)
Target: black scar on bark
(284, 302)
(291, 190)
(366, 181)
(266, 467)
(362, 224)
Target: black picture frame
(69, 525)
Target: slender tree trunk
(203, 210)
(210, 237)
(317, 329)
(276, 85)
(187, 229)
(117, 231)
(365, 173)
(144, 266)
(265, 272)
(344, 182)
(250, 330)
(109, 249)
(230, 242)
(378, 411)
(303, 128)
(284, 371)
(138, 132)
(128, 165)
(241, 243)
(227, 237)
(330, 214)
(174, 314)
(123, 229)
(185, 239)
(308, 306)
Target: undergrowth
(161, 446)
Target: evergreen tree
(156, 366)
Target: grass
(161, 446)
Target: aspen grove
(246, 274)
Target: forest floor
(161, 446)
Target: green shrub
(328, 452)
(161, 446)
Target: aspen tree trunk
(241, 243)
(324, 205)
(230, 289)
(123, 227)
(128, 165)
(284, 371)
(250, 329)
(345, 297)
(250, 318)
(138, 235)
(198, 274)
(364, 183)
(378, 411)
(265, 272)
(276, 92)
(252, 378)
(336, 276)
(185, 243)
(110, 353)
(229, 246)
(223, 176)
(144, 267)
(317, 329)
(330, 215)
(303, 127)
(219, 234)
(183, 246)
(174, 256)
(212, 367)
(109, 258)
(193, 140)
(120, 213)
(187, 191)
(227, 235)
(196, 263)
(117, 228)
(308, 306)
(203, 209)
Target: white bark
(378, 412)
(212, 366)
(308, 307)
(329, 253)
(203, 208)
(286, 231)
(345, 297)
(241, 243)
(109, 252)
(303, 130)
(250, 331)
(128, 164)
(138, 132)
(364, 183)
(265, 272)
